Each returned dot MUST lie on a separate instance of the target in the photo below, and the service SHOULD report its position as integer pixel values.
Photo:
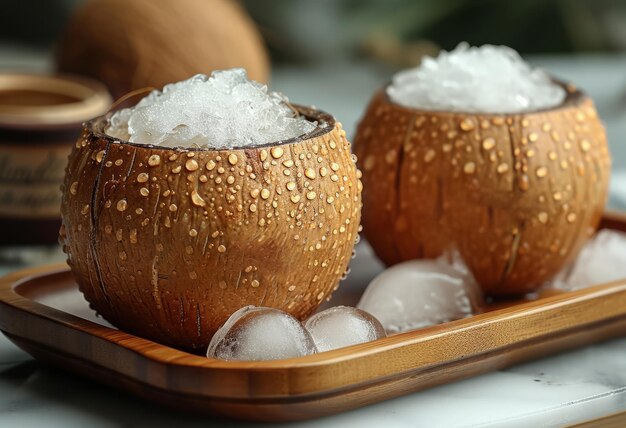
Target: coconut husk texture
(133, 44)
(517, 194)
(168, 243)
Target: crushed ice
(222, 111)
(486, 79)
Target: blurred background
(329, 53)
(395, 31)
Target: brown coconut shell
(168, 243)
(518, 194)
(132, 44)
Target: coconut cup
(517, 194)
(167, 243)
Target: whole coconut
(167, 243)
(132, 44)
(518, 194)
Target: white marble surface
(551, 392)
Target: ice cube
(342, 326)
(420, 293)
(225, 110)
(602, 259)
(259, 333)
(476, 79)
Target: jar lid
(43, 101)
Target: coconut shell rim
(96, 127)
(573, 98)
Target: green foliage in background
(528, 25)
(310, 29)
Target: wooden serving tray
(311, 386)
